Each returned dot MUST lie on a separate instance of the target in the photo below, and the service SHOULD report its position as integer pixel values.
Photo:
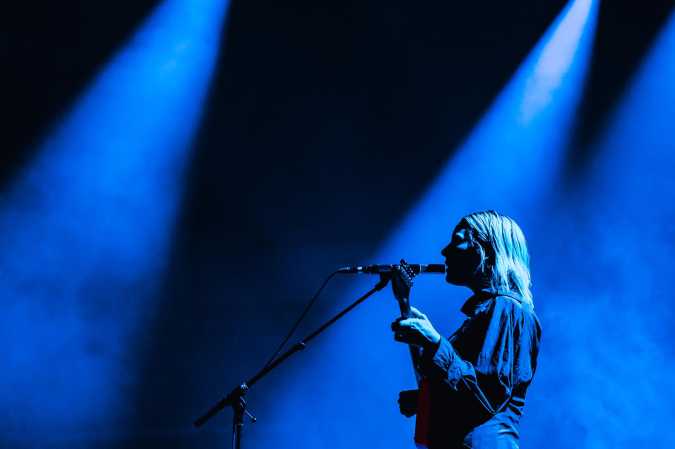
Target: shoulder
(505, 317)
(508, 308)
(520, 314)
(499, 304)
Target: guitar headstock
(406, 274)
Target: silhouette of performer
(478, 377)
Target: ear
(485, 260)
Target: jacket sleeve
(496, 357)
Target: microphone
(417, 268)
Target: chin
(452, 280)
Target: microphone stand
(235, 398)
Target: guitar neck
(404, 306)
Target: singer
(478, 377)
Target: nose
(444, 251)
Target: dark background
(324, 123)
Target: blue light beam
(512, 157)
(616, 302)
(86, 229)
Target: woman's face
(462, 258)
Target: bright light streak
(639, 140)
(556, 60)
(511, 158)
(86, 228)
(624, 205)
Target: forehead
(461, 230)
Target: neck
(478, 284)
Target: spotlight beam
(86, 228)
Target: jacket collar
(481, 299)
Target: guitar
(423, 399)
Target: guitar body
(424, 394)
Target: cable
(302, 316)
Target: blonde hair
(504, 256)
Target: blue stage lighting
(617, 391)
(86, 230)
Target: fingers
(405, 331)
(415, 312)
(408, 395)
(395, 325)
(403, 324)
(407, 401)
(398, 332)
